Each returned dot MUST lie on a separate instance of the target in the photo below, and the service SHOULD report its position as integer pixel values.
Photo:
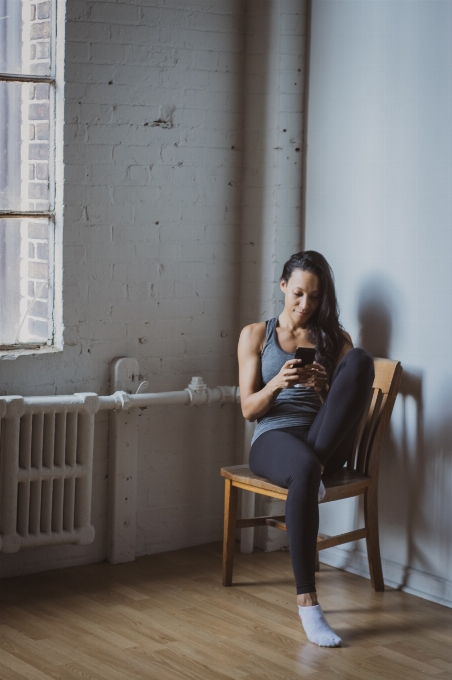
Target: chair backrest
(371, 435)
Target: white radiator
(46, 458)
(46, 461)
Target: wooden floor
(167, 617)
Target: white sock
(322, 491)
(316, 627)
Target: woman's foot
(316, 626)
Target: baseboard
(407, 579)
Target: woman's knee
(360, 360)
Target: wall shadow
(403, 465)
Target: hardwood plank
(7, 673)
(101, 627)
(210, 656)
(403, 660)
(26, 670)
(168, 617)
(193, 668)
(76, 671)
(443, 665)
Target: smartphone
(306, 354)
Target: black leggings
(291, 457)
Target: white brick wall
(152, 246)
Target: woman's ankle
(307, 600)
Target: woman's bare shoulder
(348, 345)
(253, 336)
(348, 339)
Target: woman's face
(303, 295)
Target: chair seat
(343, 484)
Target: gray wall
(379, 208)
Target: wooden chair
(359, 477)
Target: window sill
(12, 354)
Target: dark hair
(325, 331)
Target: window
(27, 172)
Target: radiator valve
(197, 384)
(198, 391)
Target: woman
(307, 417)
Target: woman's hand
(317, 379)
(290, 375)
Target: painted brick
(200, 59)
(108, 53)
(166, 16)
(231, 62)
(209, 21)
(180, 76)
(43, 10)
(220, 6)
(78, 11)
(108, 134)
(106, 94)
(126, 277)
(115, 12)
(138, 291)
(94, 153)
(39, 31)
(87, 32)
(134, 35)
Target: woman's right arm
(255, 401)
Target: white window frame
(56, 178)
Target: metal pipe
(123, 401)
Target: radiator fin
(60, 439)
(23, 505)
(57, 506)
(48, 443)
(68, 507)
(25, 442)
(35, 507)
(37, 433)
(45, 483)
(71, 439)
(46, 506)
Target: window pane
(25, 281)
(25, 131)
(25, 37)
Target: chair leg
(230, 519)
(372, 540)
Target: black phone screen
(306, 354)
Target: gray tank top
(293, 407)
